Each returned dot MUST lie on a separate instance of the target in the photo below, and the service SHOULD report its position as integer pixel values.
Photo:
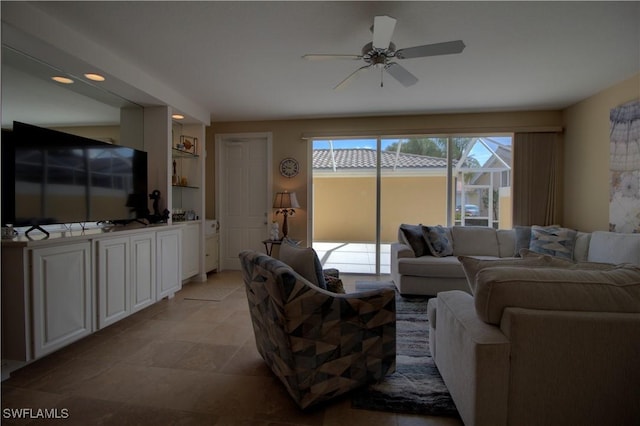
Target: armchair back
(319, 344)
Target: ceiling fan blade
(322, 57)
(401, 74)
(446, 48)
(383, 27)
(344, 83)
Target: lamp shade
(285, 200)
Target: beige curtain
(537, 179)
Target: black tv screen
(51, 177)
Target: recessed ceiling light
(177, 116)
(94, 77)
(63, 80)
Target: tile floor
(182, 361)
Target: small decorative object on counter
(8, 232)
(275, 231)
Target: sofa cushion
(304, 261)
(553, 240)
(506, 242)
(474, 241)
(472, 265)
(438, 240)
(523, 238)
(564, 263)
(414, 237)
(614, 247)
(581, 247)
(568, 289)
(430, 266)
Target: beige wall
(345, 207)
(109, 134)
(586, 158)
(288, 142)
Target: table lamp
(286, 203)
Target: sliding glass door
(363, 189)
(344, 187)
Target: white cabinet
(59, 290)
(169, 267)
(190, 250)
(114, 280)
(211, 252)
(143, 271)
(61, 295)
(126, 276)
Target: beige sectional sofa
(544, 345)
(541, 346)
(429, 275)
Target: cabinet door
(169, 266)
(114, 280)
(143, 271)
(211, 253)
(61, 288)
(190, 250)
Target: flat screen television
(51, 177)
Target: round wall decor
(289, 167)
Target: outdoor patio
(353, 258)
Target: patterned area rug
(416, 387)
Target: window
(363, 189)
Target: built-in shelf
(185, 186)
(182, 153)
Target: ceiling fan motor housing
(377, 57)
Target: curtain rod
(476, 131)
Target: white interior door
(244, 194)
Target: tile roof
(364, 158)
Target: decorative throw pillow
(438, 240)
(523, 238)
(334, 284)
(553, 240)
(413, 235)
(304, 261)
(552, 261)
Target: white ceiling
(242, 60)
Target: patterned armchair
(320, 344)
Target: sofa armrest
(400, 250)
(473, 359)
(577, 358)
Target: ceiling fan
(381, 52)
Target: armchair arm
(332, 333)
